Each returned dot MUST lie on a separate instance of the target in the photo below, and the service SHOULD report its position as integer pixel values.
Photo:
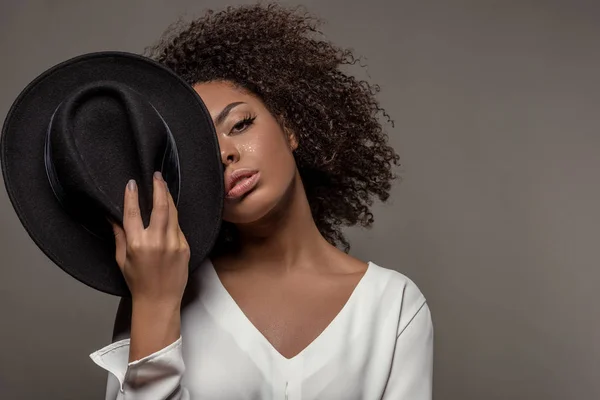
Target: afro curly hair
(280, 55)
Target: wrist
(154, 325)
(157, 319)
(164, 306)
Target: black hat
(80, 131)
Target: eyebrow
(225, 112)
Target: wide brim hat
(79, 131)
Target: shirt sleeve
(156, 376)
(411, 376)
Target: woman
(278, 311)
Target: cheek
(249, 148)
(278, 155)
(272, 156)
(268, 148)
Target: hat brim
(70, 246)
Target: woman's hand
(154, 262)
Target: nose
(229, 152)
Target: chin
(254, 207)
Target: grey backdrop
(498, 123)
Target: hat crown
(100, 136)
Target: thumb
(120, 244)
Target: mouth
(242, 184)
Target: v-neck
(229, 314)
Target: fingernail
(158, 175)
(131, 185)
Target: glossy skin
(287, 279)
(250, 138)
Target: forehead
(217, 95)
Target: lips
(240, 182)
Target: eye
(243, 124)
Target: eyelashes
(244, 124)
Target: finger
(159, 218)
(132, 219)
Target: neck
(287, 237)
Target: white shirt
(379, 346)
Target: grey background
(498, 123)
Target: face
(256, 152)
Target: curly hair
(279, 55)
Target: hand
(154, 260)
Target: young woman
(277, 311)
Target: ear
(290, 135)
(292, 140)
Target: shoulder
(399, 294)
